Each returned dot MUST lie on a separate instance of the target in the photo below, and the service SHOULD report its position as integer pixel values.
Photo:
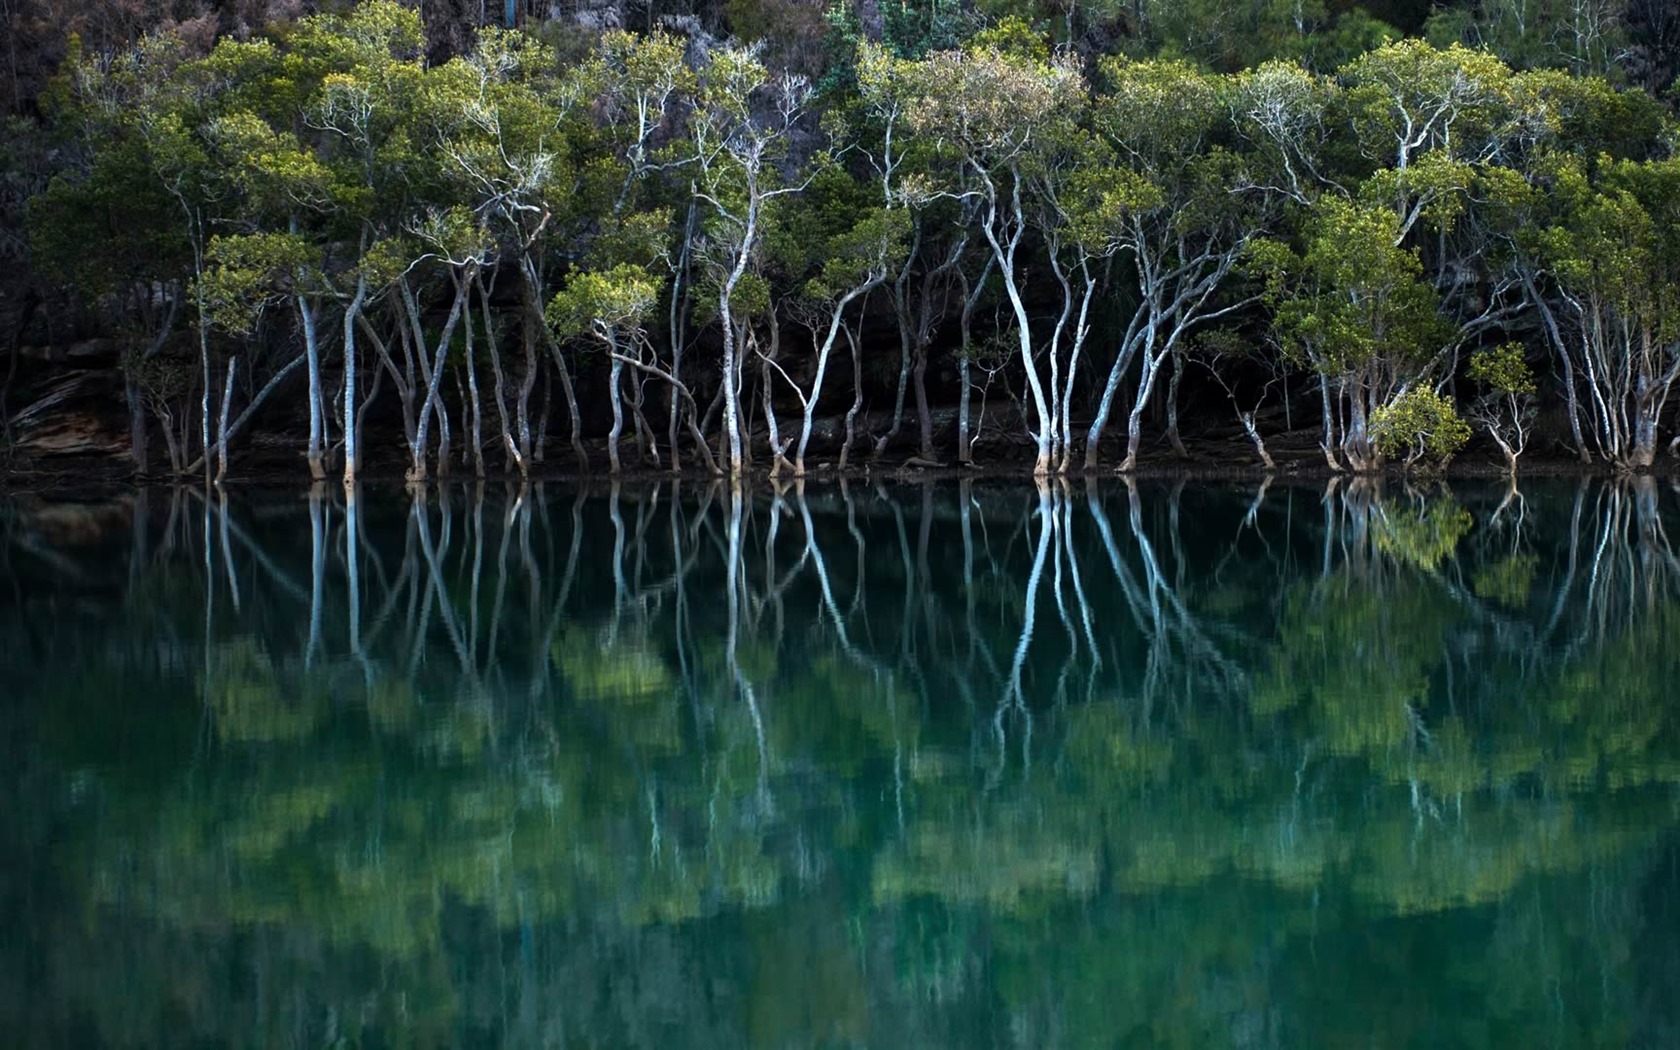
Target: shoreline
(107, 473)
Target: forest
(791, 238)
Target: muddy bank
(1295, 456)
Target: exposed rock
(78, 414)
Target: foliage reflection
(867, 764)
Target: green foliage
(1420, 425)
(1160, 113)
(872, 245)
(1583, 37)
(1374, 206)
(909, 28)
(1618, 243)
(1228, 37)
(1012, 36)
(1352, 34)
(248, 273)
(604, 304)
(1502, 370)
(1407, 98)
(1363, 302)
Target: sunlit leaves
(604, 303)
(990, 102)
(1502, 369)
(1373, 305)
(247, 274)
(1409, 97)
(1160, 113)
(1419, 426)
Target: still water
(881, 765)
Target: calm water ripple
(876, 765)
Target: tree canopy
(669, 237)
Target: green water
(895, 766)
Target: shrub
(1419, 427)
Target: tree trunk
(256, 402)
(773, 426)
(534, 315)
(857, 398)
(924, 415)
(1117, 372)
(1253, 433)
(515, 449)
(312, 350)
(965, 454)
(1172, 407)
(1081, 330)
(474, 410)
(647, 442)
(352, 419)
(731, 391)
(971, 299)
(446, 433)
(1004, 255)
(137, 428)
(541, 444)
(1327, 406)
(222, 423)
(527, 384)
(1554, 335)
(1507, 451)
(1134, 420)
(836, 321)
(432, 370)
(904, 354)
(617, 400)
(1356, 442)
(204, 394)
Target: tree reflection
(966, 764)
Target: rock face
(69, 402)
(79, 434)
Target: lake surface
(895, 766)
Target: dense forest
(778, 235)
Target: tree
(1420, 425)
(507, 125)
(742, 130)
(854, 246)
(1506, 407)
(1190, 210)
(997, 108)
(613, 308)
(1613, 305)
(286, 197)
(136, 122)
(363, 116)
(1362, 317)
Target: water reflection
(861, 765)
